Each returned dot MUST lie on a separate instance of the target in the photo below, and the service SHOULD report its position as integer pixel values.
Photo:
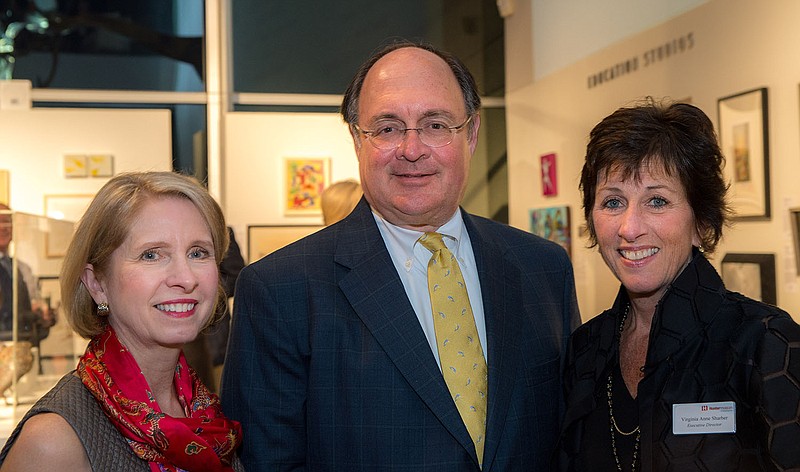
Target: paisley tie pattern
(460, 352)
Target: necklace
(614, 428)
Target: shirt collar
(406, 239)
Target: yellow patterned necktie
(460, 352)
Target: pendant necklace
(613, 422)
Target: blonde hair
(339, 199)
(105, 226)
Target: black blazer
(328, 368)
(706, 345)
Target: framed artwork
(50, 290)
(62, 212)
(101, 165)
(553, 224)
(75, 166)
(752, 275)
(264, 239)
(549, 182)
(5, 187)
(744, 138)
(794, 222)
(305, 179)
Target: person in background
(34, 316)
(140, 279)
(30, 301)
(206, 354)
(336, 360)
(339, 199)
(680, 373)
(216, 337)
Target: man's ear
(90, 279)
(357, 142)
(476, 126)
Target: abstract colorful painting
(306, 178)
(553, 224)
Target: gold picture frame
(5, 187)
(264, 239)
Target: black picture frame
(752, 275)
(794, 222)
(743, 130)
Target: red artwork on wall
(549, 182)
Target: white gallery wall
(736, 46)
(256, 145)
(35, 141)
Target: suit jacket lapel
(377, 296)
(501, 294)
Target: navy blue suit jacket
(328, 368)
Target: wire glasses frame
(432, 133)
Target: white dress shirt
(411, 261)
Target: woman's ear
(93, 285)
(697, 239)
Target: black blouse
(598, 451)
(707, 344)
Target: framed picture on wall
(304, 180)
(794, 222)
(62, 212)
(5, 188)
(752, 275)
(554, 224)
(744, 138)
(264, 239)
(549, 181)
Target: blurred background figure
(34, 315)
(339, 199)
(216, 337)
(140, 279)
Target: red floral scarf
(204, 440)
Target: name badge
(704, 418)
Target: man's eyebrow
(427, 114)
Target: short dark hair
(472, 99)
(678, 136)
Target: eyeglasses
(432, 132)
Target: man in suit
(333, 362)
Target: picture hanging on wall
(554, 224)
(752, 275)
(744, 138)
(75, 165)
(794, 222)
(549, 182)
(62, 212)
(305, 179)
(101, 165)
(264, 239)
(5, 187)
